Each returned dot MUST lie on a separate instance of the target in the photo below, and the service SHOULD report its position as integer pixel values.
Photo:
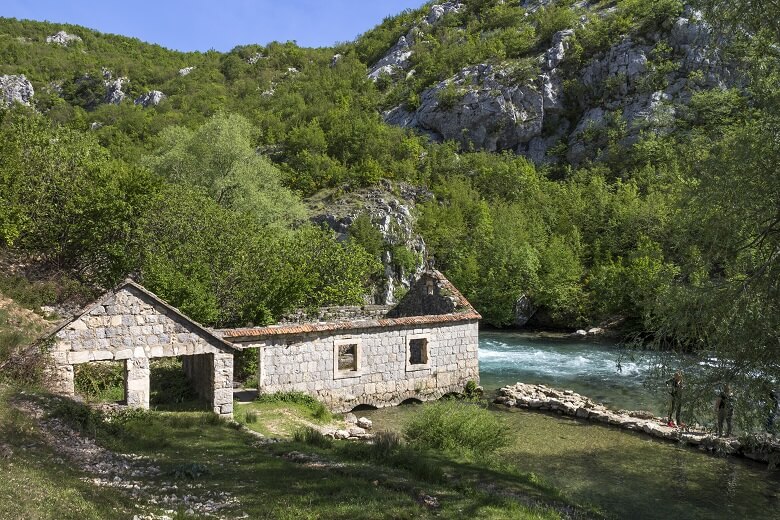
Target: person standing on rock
(724, 407)
(675, 390)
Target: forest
(674, 235)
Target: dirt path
(131, 474)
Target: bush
(456, 427)
(168, 383)
(312, 437)
(101, 381)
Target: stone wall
(352, 312)
(133, 325)
(384, 376)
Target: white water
(600, 371)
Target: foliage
(100, 381)
(318, 410)
(456, 427)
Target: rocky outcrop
(15, 89)
(151, 98)
(391, 213)
(493, 107)
(185, 71)
(63, 38)
(490, 110)
(567, 402)
(396, 60)
(114, 90)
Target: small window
(418, 351)
(417, 355)
(347, 358)
(429, 287)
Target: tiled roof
(465, 312)
(302, 328)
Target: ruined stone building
(423, 348)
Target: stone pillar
(60, 380)
(137, 383)
(222, 384)
(260, 371)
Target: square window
(417, 353)
(347, 357)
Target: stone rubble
(567, 402)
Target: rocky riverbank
(763, 448)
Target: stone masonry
(424, 348)
(131, 324)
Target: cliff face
(554, 110)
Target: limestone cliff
(552, 110)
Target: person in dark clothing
(725, 409)
(675, 390)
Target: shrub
(168, 383)
(312, 437)
(251, 417)
(100, 381)
(457, 427)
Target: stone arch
(363, 407)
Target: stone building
(132, 325)
(423, 348)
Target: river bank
(760, 448)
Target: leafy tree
(220, 158)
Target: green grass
(197, 449)
(36, 484)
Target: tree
(220, 158)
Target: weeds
(456, 427)
(312, 437)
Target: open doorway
(101, 381)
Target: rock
(63, 38)
(15, 89)
(365, 423)
(397, 58)
(95, 125)
(483, 106)
(335, 60)
(595, 331)
(186, 70)
(438, 11)
(350, 418)
(292, 70)
(561, 42)
(524, 310)
(356, 431)
(341, 434)
(255, 58)
(580, 333)
(114, 93)
(151, 98)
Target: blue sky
(207, 24)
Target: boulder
(350, 418)
(15, 89)
(186, 70)
(397, 58)
(524, 310)
(335, 59)
(341, 434)
(151, 98)
(63, 38)
(365, 423)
